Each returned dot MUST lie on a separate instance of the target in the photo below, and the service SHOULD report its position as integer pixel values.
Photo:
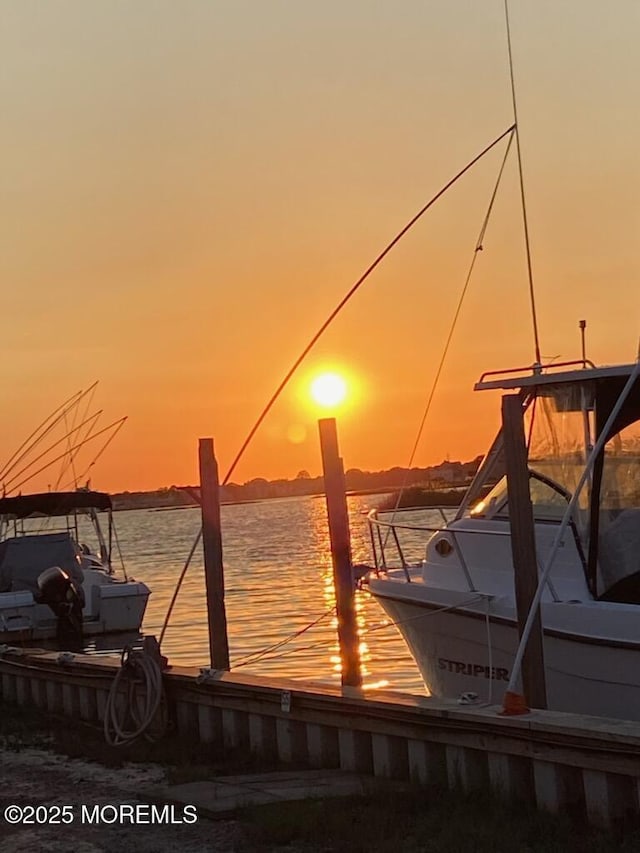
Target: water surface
(278, 580)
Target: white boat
(53, 584)
(456, 608)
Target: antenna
(583, 325)
(534, 317)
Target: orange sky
(189, 188)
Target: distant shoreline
(172, 508)
(438, 478)
(445, 476)
(411, 498)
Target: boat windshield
(549, 500)
(562, 423)
(619, 509)
(559, 426)
(561, 431)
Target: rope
(525, 222)
(490, 651)
(389, 624)
(122, 565)
(442, 609)
(478, 248)
(256, 656)
(178, 585)
(135, 699)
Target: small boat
(53, 584)
(456, 608)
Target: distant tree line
(446, 475)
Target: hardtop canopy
(550, 374)
(606, 384)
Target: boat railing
(380, 540)
(536, 369)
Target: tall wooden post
(523, 548)
(212, 544)
(338, 516)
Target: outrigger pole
(351, 292)
(265, 411)
(34, 439)
(525, 222)
(62, 456)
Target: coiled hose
(136, 704)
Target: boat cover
(24, 558)
(53, 503)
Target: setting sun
(328, 389)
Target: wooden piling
(334, 487)
(212, 544)
(523, 547)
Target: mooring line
(361, 634)
(254, 657)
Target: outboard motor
(66, 600)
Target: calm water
(278, 580)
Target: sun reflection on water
(278, 580)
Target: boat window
(619, 513)
(561, 432)
(493, 503)
(549, 500)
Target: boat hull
(460, 651)
(113, 608)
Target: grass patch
(422, 821)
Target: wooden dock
(557, 761)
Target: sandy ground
(33, 777)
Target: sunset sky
(188, 189)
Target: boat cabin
(566, 413)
